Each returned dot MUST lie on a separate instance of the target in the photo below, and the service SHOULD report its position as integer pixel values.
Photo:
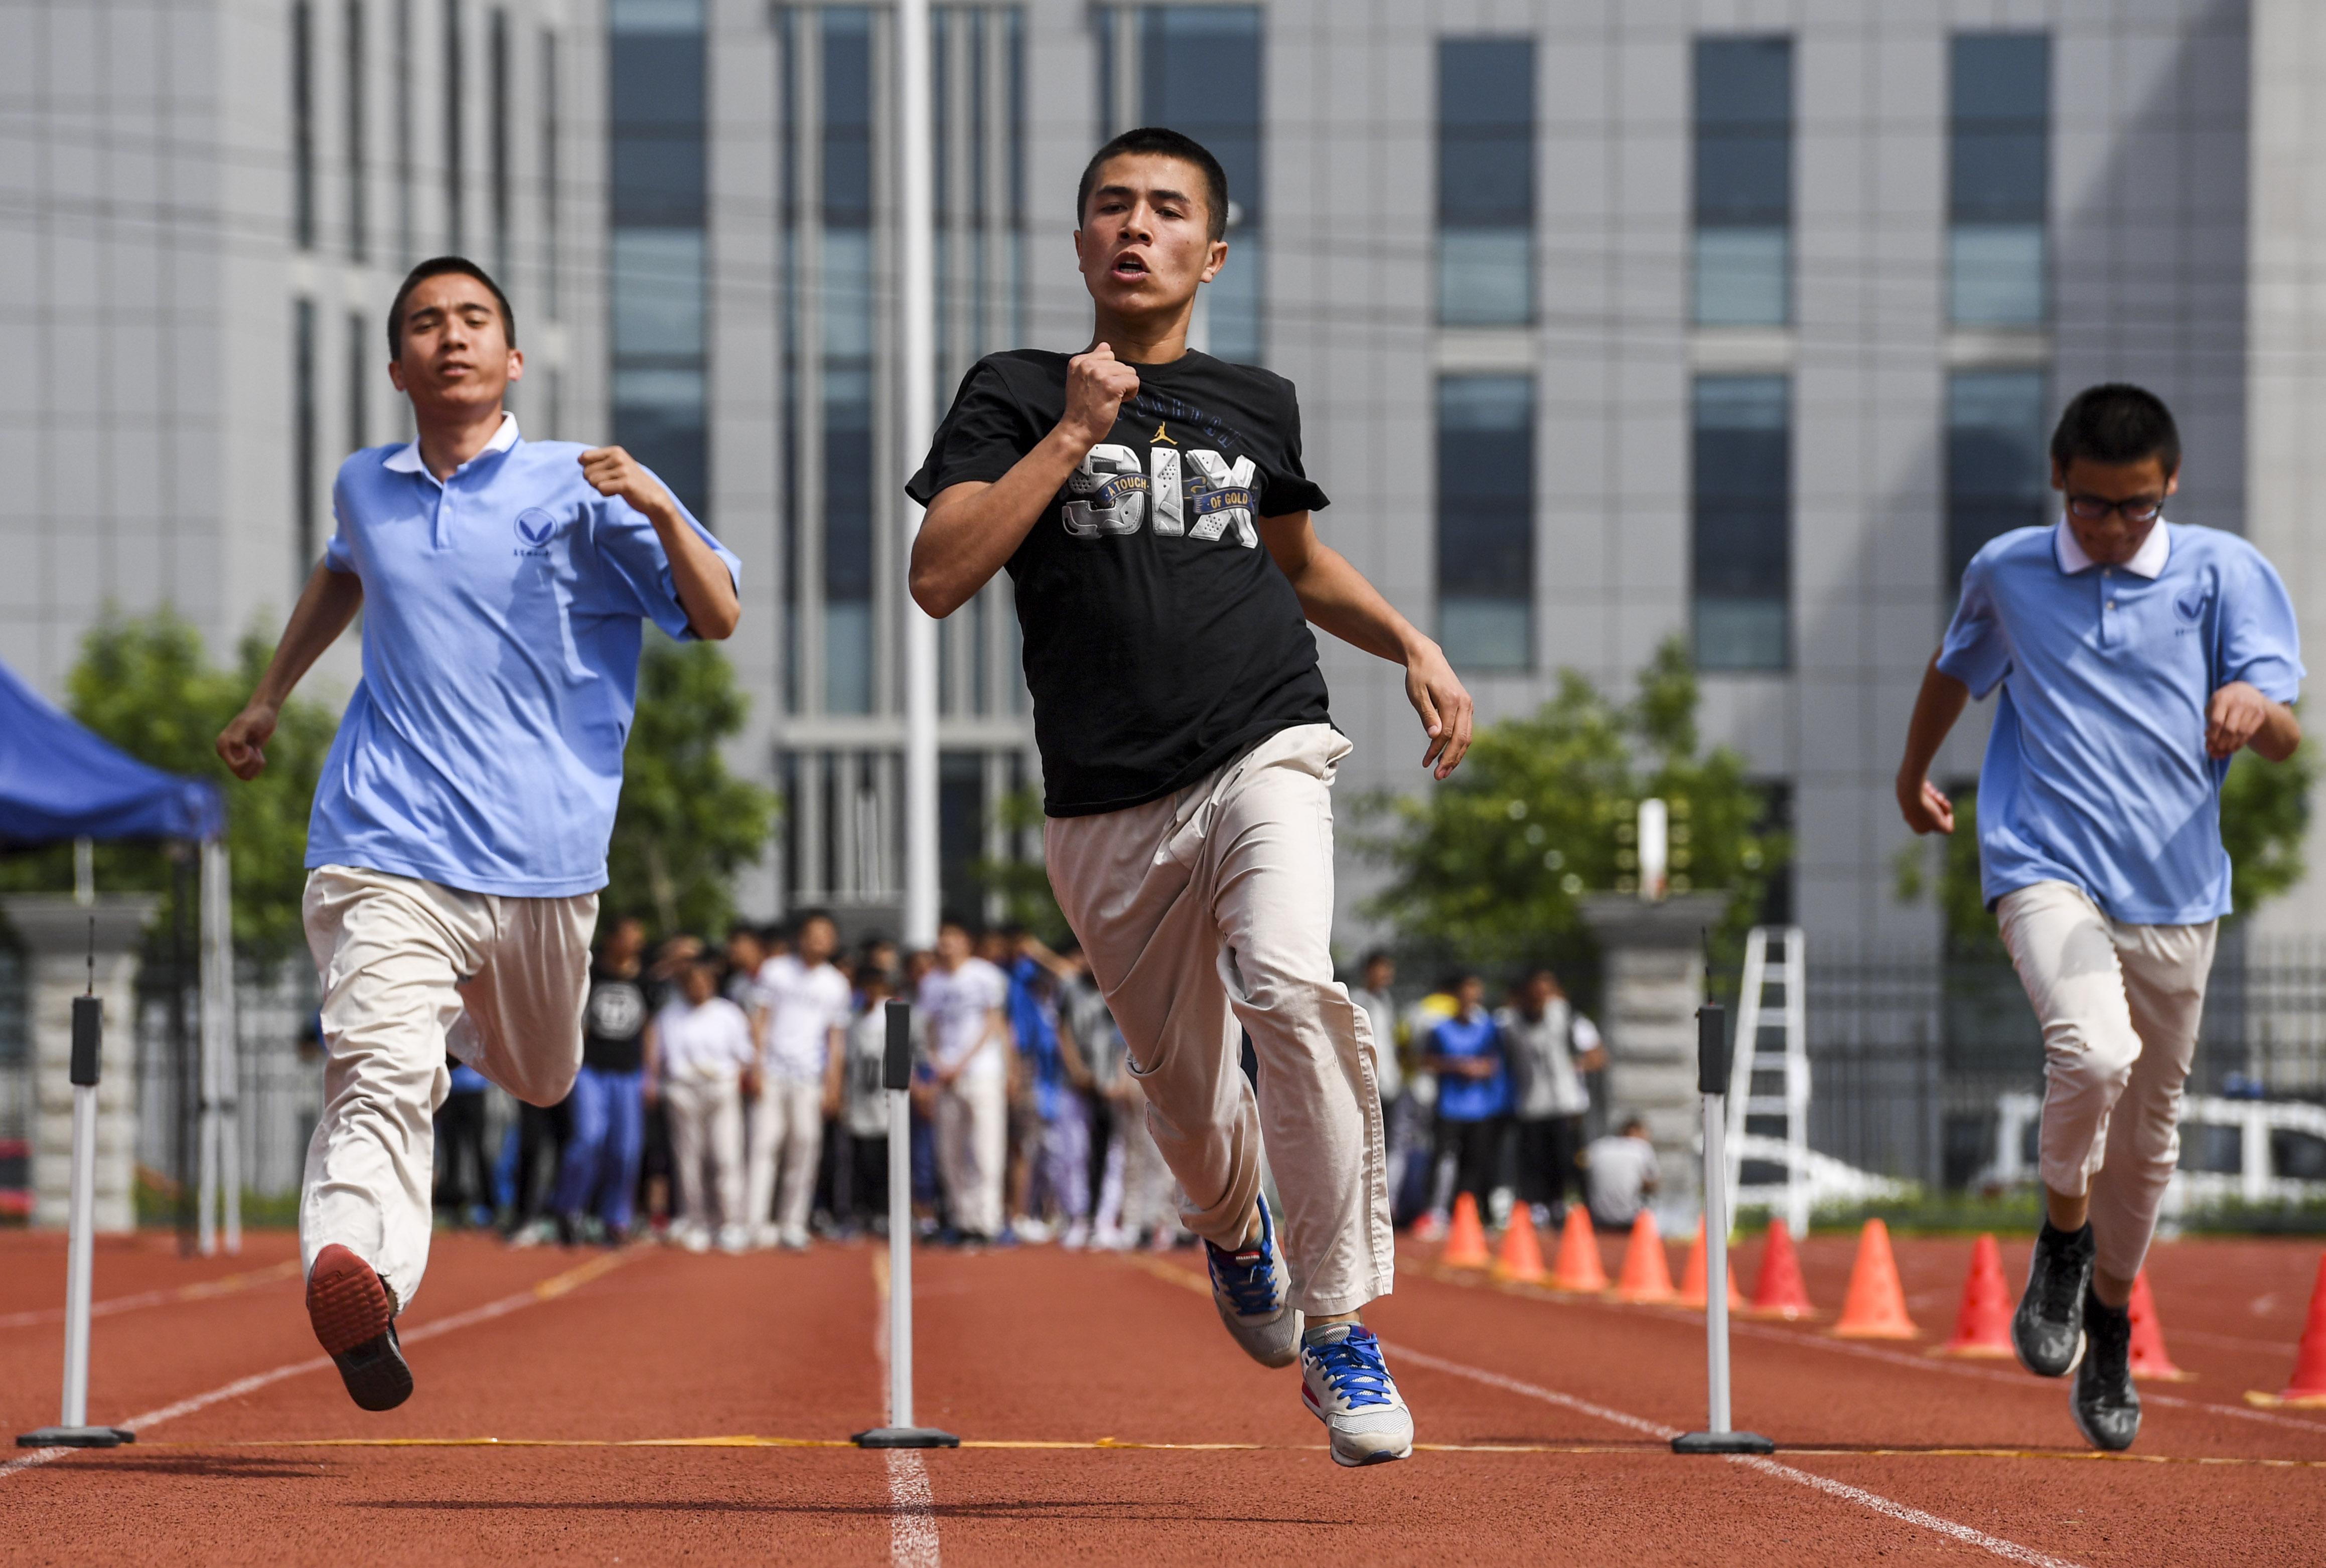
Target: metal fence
(1911, 1053)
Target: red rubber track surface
(1038, 1345)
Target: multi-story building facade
(1738, 319)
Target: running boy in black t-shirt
(1150, 504)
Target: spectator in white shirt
(804, 1004)
(699, 1053)
(1621, 1174)
(1552, 1045)
(963, 998)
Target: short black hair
(800, 919)
(1380, 955)
(1168, 143)
(950, 918)
(436, 266)
(2116, 422)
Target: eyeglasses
(2134, 509)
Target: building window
(1485, 181)
(1998, 474)
(1743, 181)
(497, 137)
(549, 133)
(1485, 521)
(408, 241)
(358, 186)
(360, 371)
(847, 265)
(1199, 70)
(304, 434)
(654, 60)
(1742, 483)
(455, 127)
(303, 125)
(1998, 159)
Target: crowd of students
(731, 1097)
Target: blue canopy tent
(59, 782)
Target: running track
(1550, 1413)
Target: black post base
(1722, 1442)
(75, 1437)
(904, 1437)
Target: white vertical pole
(1716, 1257)
(221, 1069)
(82, 1222)
(916, 338)
(900, 1259)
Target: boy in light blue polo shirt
(2136, 657)
(459, 826)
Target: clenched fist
(612, 471)
(1097, 383)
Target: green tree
(1490, 868)
(685, 825)
(1022, 886)
(147, 685)
(2264, 815)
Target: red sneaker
(356, 1325)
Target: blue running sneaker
(1346, 1385)
(1250, 1287)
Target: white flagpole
(916, 337)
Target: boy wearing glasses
(2136, 657)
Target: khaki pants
(1213, 907)
(409, 970)
(2119, 1005)
(706, 1118)
(787, 1137)
(974, 1148)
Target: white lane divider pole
(896, 1077)
(1712, 1063)
(73, 1431)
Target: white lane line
(2009, 1550)
(546, 1290)
(912, 1518)
(202, 1291)
(911, 1507)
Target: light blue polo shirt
(2095, 773)
(502, 616)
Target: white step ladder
(1766, 1083)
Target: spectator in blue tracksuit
(600, 1172)
(1472, 1061)
(463, 1178)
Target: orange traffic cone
(1521, 1258)
(1982, 1322)
(2148, 1358)
(1646, 1275)
(2308, 1389)
(1692, 1281)
(1578, 1266)
(1466, 1238)
(1779, 1292)
(1875, 1305)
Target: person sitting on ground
(1620, 1174)
(699, 1055)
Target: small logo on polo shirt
(2190, 605)
(534, 526)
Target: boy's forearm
(326, 606)
(968, 537)
(2280, 734)
(706, 588)
(1336, 595)
(1936, 708)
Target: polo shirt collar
(2148, 562)
(405, 459)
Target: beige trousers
(411, 970)
(2119, 1005)
(973, 1149)
(706, 1119)
(786, 1124)
(1212, 908)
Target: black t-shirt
(614, 1023)
(1161, 641)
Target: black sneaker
(2106, 1405)
(355, 1321)
(2048, 1329)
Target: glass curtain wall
(1485, 181)
(1998, 470)
(1998, 178)
(653, 59)
(1485, 521)
(1742, 507)
(1743, 181)
(1199, 73)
